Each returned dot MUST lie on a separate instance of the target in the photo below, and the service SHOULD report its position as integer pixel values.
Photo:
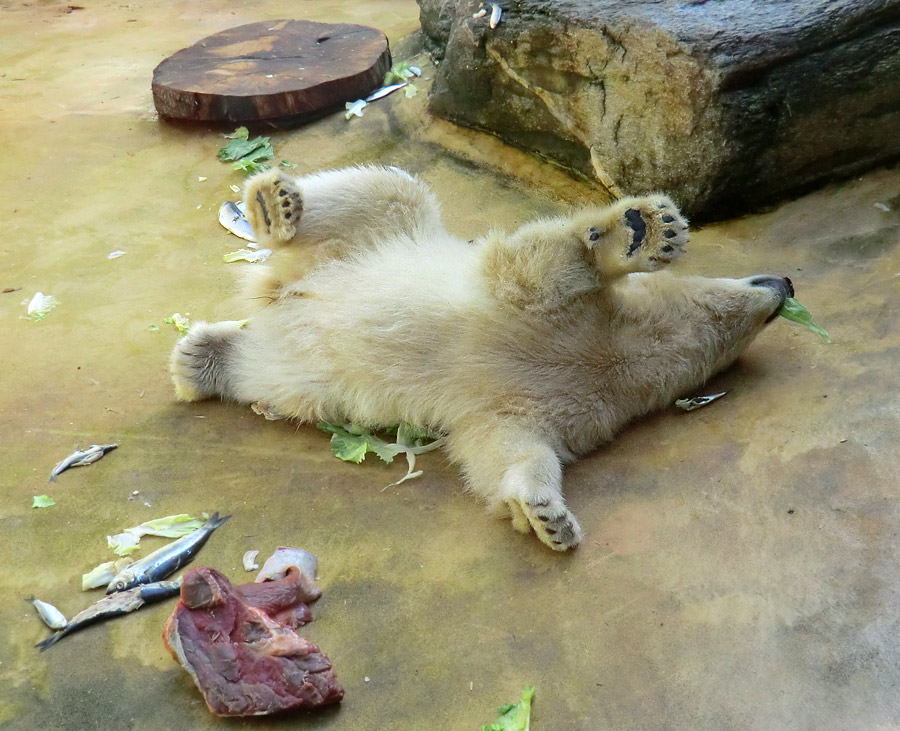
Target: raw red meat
(239, 644)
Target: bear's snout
(782, 285)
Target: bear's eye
(595, 234)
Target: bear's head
(687, 328)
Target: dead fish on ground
(49, 614)
(167, 560)
(115, 605)
(82, 458)
(689, 404)
(384, 91)
(496, 12)
(233, 217)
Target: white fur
(527, 350)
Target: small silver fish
(233, 218)
(115, 605)
(689, 404)
(496, 12)
(82, 458)
(384, 91)
(167, 560)
(49, 614)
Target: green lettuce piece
(247, 154)
(124, 544)
(43, 501)
(180, 322)
(514, 717)
(795, 312)
(171, 526)
(254, 257)
(352, 443)
(104, 573)
(39, 306)
(399, 73)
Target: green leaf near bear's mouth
(795, 312)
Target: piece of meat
(239, 645)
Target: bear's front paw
(274, 205)
(550, 519)
(652, 231)
(656, 233)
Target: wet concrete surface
(740, 566)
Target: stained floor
(741, 563)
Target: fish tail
(215, 521)
(50, 641)
(52, 478)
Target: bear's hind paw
(551, 521)
(274, 205)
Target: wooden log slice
(277, 71)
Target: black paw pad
(667, 218)
(635, 222)
(670, 234)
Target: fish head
(125, 580)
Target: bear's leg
(546, 264)
(511, 467)
(199, 364)
(361, 205)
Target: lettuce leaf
(171, 526)
(123, 544)
(181, 323)
(514, 717)
(400, 72)
(104, 573)
(39, 306)
(351, 443)
(247, 154)
(42, 501)
(795, 312)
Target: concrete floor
(741, 563)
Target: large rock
(724, 104)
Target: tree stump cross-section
(281, 71)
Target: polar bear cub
(527, 349)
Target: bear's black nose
(782, 285)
